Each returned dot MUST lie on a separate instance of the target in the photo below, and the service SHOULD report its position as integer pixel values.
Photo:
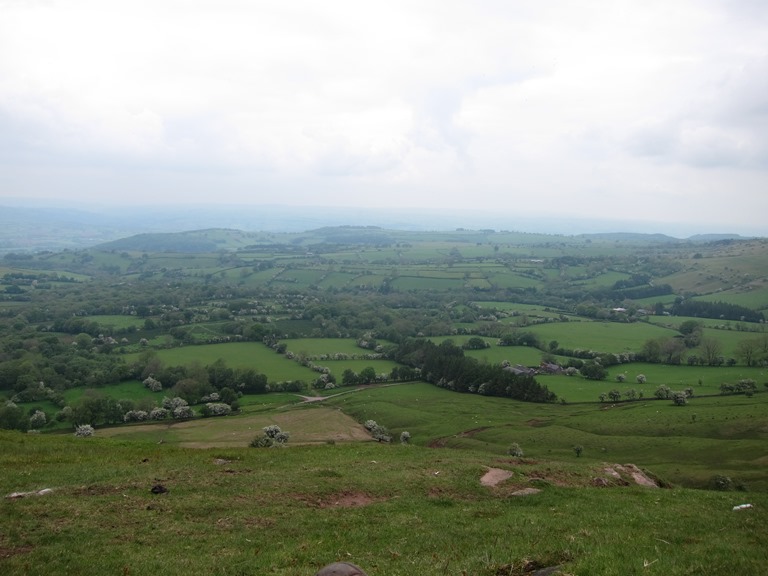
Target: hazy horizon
(284, 218)
(648, 117)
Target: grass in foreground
(395, 510)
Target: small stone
(526, 492)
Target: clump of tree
(475, 343)
(446, 366)
(594, 371)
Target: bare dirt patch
(341, 500)
(470, 433)
(7, 552)
(100, 490)
(537, 423)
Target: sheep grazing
(341, 569)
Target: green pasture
(302, 277)
(127, 390)
(704, 380)
(649, 303)
(368, 280)
(336, 280)
(674, 322)
(600, 336)
(512, 280)
(494, 354)
(338, 366)
(729, 339)
(245, 355)
(606, 279)
(531, 309)
(406, 283)
(755, 298)
(318, 346)
(117, 322)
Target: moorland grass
(650, 433)
(395, 510)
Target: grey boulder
(341, 569)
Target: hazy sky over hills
(652, 110)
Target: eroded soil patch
(341, 500)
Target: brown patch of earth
(470, 433)
(438, 443)
(342, 500)
(536, 422)
(7, 552)
(100, 490)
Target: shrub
(135, 416)
(84, 431)
(679, 398)
(38, 420)
(216, 409)
(515, 450)
(183, 413)
(720, 482)
(158, 414)
(405, 437)
(152, 384)
(663, 392)
(381, 434)
(272, 436)
(620, 377)
(173, 403)
(640, 378)
(578, 449)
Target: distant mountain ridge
(218, 239)
(50, 227)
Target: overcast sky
(645, 110)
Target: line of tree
(717, 310)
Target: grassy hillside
(395, 510)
